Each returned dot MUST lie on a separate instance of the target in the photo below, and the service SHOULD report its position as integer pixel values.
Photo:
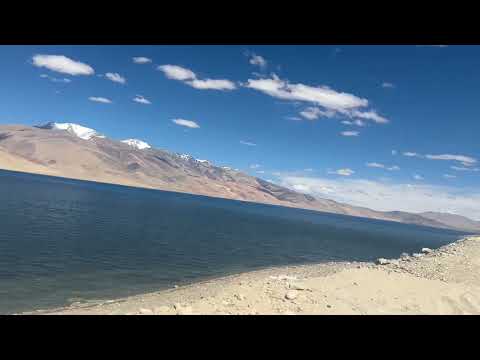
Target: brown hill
(61, 153)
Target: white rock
(291, 295)
(417, 255)
(146, 311)
(382, 261)
(427, 250)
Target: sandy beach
(443, 281)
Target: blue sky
(282, 113)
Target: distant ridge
(74, 151)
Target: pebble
(291, 295)
(146, 311)
(382, 261)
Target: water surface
(65, 240)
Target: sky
(386, 127)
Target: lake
(65, 240)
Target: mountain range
(74, 151)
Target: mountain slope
(73, 152)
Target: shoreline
(442, 281)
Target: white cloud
(394, 152)
(313, 113)
(188, 123)
(116, 77)
(349, 133)
(260, 172)
(411, 154)
(188, 77)
(376, 165)
(388, 85)
(418, 177)
(342, 172)
(57, 80)
(330, 100)
(141, 60)
(255, 166)
(247, 143)
(140, 99)
(461, 168)
(308, 170)
(356, 122)
(258, 60)
(100, 100)
(465, 160)
(62, 64)
(293, 118)
(388, 196)
(211, 84)
(382, 166)
(448, 176)
(369, 115)
(175, 72)
(321, 95)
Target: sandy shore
(445, 281)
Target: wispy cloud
(247, 143)
(100, 99)
(115, 77)
(356, 122)
(390, 196)
(448, 176)
(341, 172)
(56, 80)
(387, 85)
(349, 133)
(411, 154)
(418, 177)
(382, 166)
(188, 77)
(141, 60)
(313, 113)
(62, 64)
(140, 99)
(461, 168)
(187, 123)
(257, 60)
(340, 103)
(465, 160)
(255, 166)
(394, 152)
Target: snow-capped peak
(138, 144)
(185, 156)
(74, 129)
(206, 162)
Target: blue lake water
(66, 240)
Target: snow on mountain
(205, 162)
(74, 129)
(138, 144)
(185, 156)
